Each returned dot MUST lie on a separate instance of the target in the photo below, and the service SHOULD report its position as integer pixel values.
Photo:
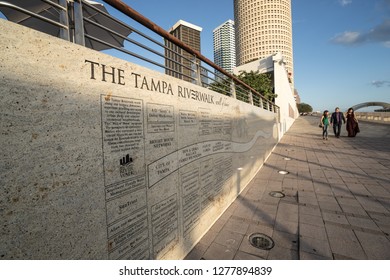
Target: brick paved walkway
(336, 204)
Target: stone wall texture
(103, 159)
(377, 117)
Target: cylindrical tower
(263, 28)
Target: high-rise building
(263, 28)
(225, 46)
(179, 62)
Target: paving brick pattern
(336, 204)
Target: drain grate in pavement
(261, 241)
(277, 194)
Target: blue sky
(341, 47)
(341, 52)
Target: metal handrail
(125, 9)
(221, 80)
(32, 14)
(59, 6)
(135, 42)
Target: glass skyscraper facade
(225, 46)
(180, 62)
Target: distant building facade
(225, 46)
(179, 62)
(263, 28)
(297, 97)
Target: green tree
(262, 83)
(304, 108)
(222, 87)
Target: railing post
(78, 23)
(250, 96)
(64, 33)
(233, 89)
(198, 75)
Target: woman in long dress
(352, 123)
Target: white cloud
(345, 2)
(381, 83)
(347, 38)
(378, 34)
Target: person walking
(337, 119)
(325, 124)
(352, 123)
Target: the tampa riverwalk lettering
(104, 73)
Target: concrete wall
(285, 95)
(378, 117)
(103, 159)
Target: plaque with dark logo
(126, 166)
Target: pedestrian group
(336, 120)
